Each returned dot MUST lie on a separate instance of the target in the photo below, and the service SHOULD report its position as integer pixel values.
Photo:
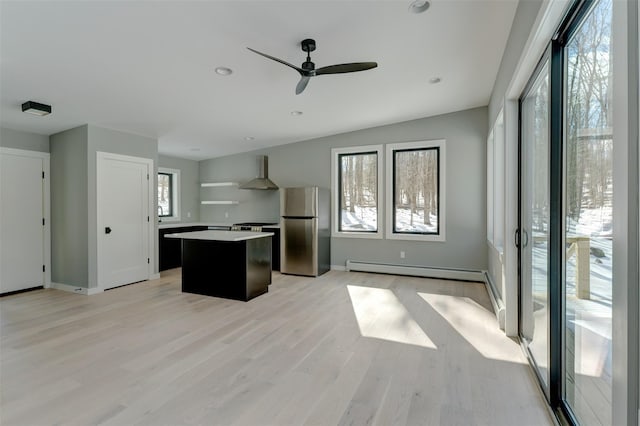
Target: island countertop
(220, 235)
(165, 225)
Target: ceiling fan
(309, 70)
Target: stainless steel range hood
(262, 181)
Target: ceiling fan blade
(273, 58)
(342, 68)
(302, 84)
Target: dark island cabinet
(170, 250)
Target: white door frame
(46, 213)
(100, 157)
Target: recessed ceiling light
(294, 113)
(249, 138)
(435, 80)
(224, 71)
(36, 108)
(419, 6)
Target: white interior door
(123, 219)
(22, 213)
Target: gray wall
(523, 21)
(16, 139)
(189, 186)
(260, 206)
(309, 163)
(74, 201)
(69, 208)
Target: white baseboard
(76, 289)
(338, 268)
(496, 300)
(154, 276)
(417, 271)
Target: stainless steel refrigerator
(305, 234)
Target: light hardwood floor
(344, 348)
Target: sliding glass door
(534, 222)
(565, 234)
(588, 219)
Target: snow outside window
(168, 194)
(357, 196)
(415, 187)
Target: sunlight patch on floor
(381, 315)
(476, 325)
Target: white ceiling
(147, 67)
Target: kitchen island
(230, 264)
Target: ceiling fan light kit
(308, 68)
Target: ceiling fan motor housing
(308, 45)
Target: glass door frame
(518, 237)
(555, 54)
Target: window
(357, 195)
(490, 150)
(496, 184)
(168, 194)
(415, 184)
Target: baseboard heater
(417, 271)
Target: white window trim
(335, 196)
(496, 174)
(442, 172)
(175, 191)
(490, 186)
(499, 184)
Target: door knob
(107, 230)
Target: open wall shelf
(217, 184)
(219, 202)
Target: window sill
(376, 236)
(165, 219)
(417, 237)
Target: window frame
(498, 181)
(391, 234)
(174, 193)
(336, 155)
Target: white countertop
(220, 235)
(165, 225)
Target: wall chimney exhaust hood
(262, 181)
